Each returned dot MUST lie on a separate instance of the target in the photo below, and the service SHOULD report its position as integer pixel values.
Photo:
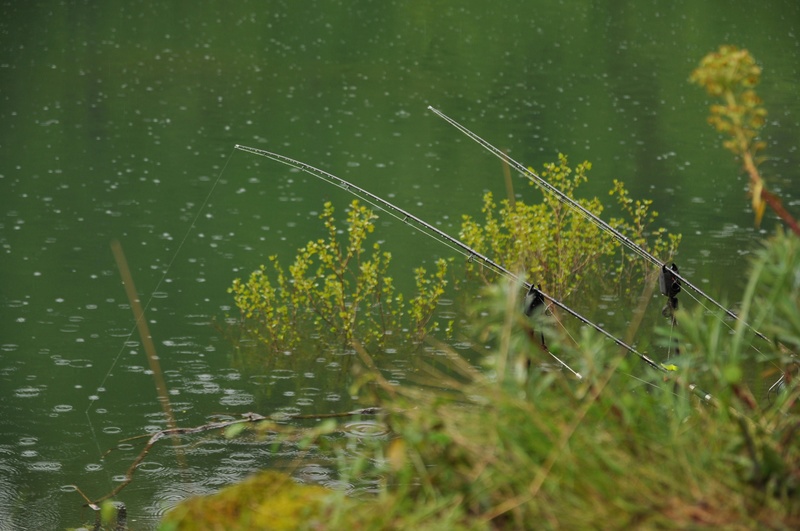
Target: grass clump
(620, 448)
(515, 446)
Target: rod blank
(627, 242)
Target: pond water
(119, 121)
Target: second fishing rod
(670, 277)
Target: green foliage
(768, 452)
(556, 245)
(778, 293)
(523, 445)
(514, 449)
(429, 290)
(335, 290)
(637, 228)
(731, 74)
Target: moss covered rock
(267, 500)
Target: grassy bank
(514, 446)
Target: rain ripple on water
(365, 429)
(45, 466)
(283, 374)
(313, 473)
(28, 392)
(150, 467)
(235, 397)
(176, 493)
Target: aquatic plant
(731, 74)
(557, 245)
(337, 290)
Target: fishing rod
(535, 295)
(670, 276)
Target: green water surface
(119, 121)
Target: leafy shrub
(336, 290)
(554, 244)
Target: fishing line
(564, 328)
(101, 388)
(651, 384)
(544, 185)
(570, 369)
(547, 311)
(669, 347)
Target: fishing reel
(670, 286)
(533, 299)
